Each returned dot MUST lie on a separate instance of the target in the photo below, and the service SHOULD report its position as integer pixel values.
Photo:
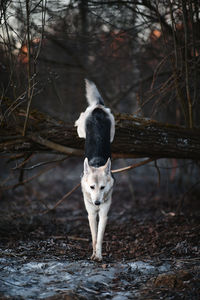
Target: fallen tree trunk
(134, 138)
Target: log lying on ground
(134, 138)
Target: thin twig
(54, 146)
(41, 164)
(77, 238)
(144, 162)
(30, 94)
(157, 69)
(62, 199)
(158, 171)
(194, 48)
(24, 161)
(27, 180)
(186, 35)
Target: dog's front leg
(101, 229)
(92, 217)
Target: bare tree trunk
(134, 138)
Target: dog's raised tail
(92, 94)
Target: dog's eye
(102, 187)
(92, 187)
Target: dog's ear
(86, 166)
(107, 166)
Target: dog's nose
(97, 202)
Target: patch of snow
(142, 267)
(38, 280)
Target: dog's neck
(98, 161)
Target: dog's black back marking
(97, 143)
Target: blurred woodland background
(144, 57)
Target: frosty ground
(151, 245)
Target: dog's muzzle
(97, 202)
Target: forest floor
(151, 247)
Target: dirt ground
(148, 224)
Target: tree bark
(134, 138)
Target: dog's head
(97, 183)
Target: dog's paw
(96, 258)
(93, 256)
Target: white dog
(97, 126)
